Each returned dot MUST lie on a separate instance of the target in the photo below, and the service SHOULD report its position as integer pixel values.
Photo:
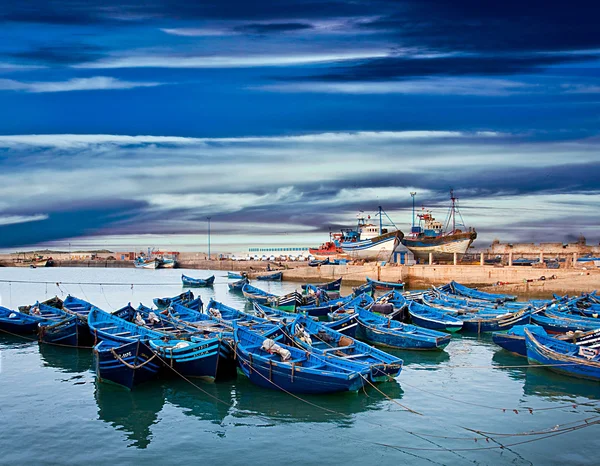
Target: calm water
(52, 410)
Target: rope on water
(496, 408)
(37, 282)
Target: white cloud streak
(431, 86)
(224, 61)
(14, 219)
(82, 140)
(96, 83)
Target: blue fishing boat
(317, 263)
(238, 285)
(126, 364)
(381, 331)
(182, 298)
(554, 324)
(20, 323)
(349, 309)
(316, 337)
(514, 339)
(346, 324)
(237, 275)
(563, 357)
(286, 302)
(482, 323)
(123, 356)
(272, 277)
(70, 330)
(256, 295)
(334, 285)
(365, 288)
(197, 282)
(462, 290)
(196, 356)
(280, 367)
(379, 285)
(427, 317)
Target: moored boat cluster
(314, 340)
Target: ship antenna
(453, 199)
(413, 194)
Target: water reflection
(210, 402)
(280, 407)
(541, 382)
(133, 412)
(505, 361)
(420, 358)
(68, 360)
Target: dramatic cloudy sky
(128, 123)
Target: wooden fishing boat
(256, 295)
(22, 323)
(182, 298)
(334, 285)
(316, 337)
(514, 339)
(381, 331)
(197, 356)
(365, 288)
(238, 285)
(127, 364)
(237, 275)
(330, 248)
(282, 367)
(286, 302)
(554, 324)
(346, 324)
(563, 357)
(146, 263)
(273, 277)
(197, 282)
(462, 290)
(427, 317)
(72, 329)
(379, 285)
(317, 263)
(481, 323)
(348, 309)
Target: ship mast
(453, 211)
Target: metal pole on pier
(208, 218)
(413, 194)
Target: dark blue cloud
(60, 54)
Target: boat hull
(380, 337)
(128, 365)
(434, 324)
(442, 247)
(277, 376)
(198, 359)
(540, 354)
(379, 248)
(71, 331)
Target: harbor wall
(498, 278)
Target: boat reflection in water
(133, 412)
(541, 383)
(279, 407)
(231, 403)
(213, 403)
(70, 360)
